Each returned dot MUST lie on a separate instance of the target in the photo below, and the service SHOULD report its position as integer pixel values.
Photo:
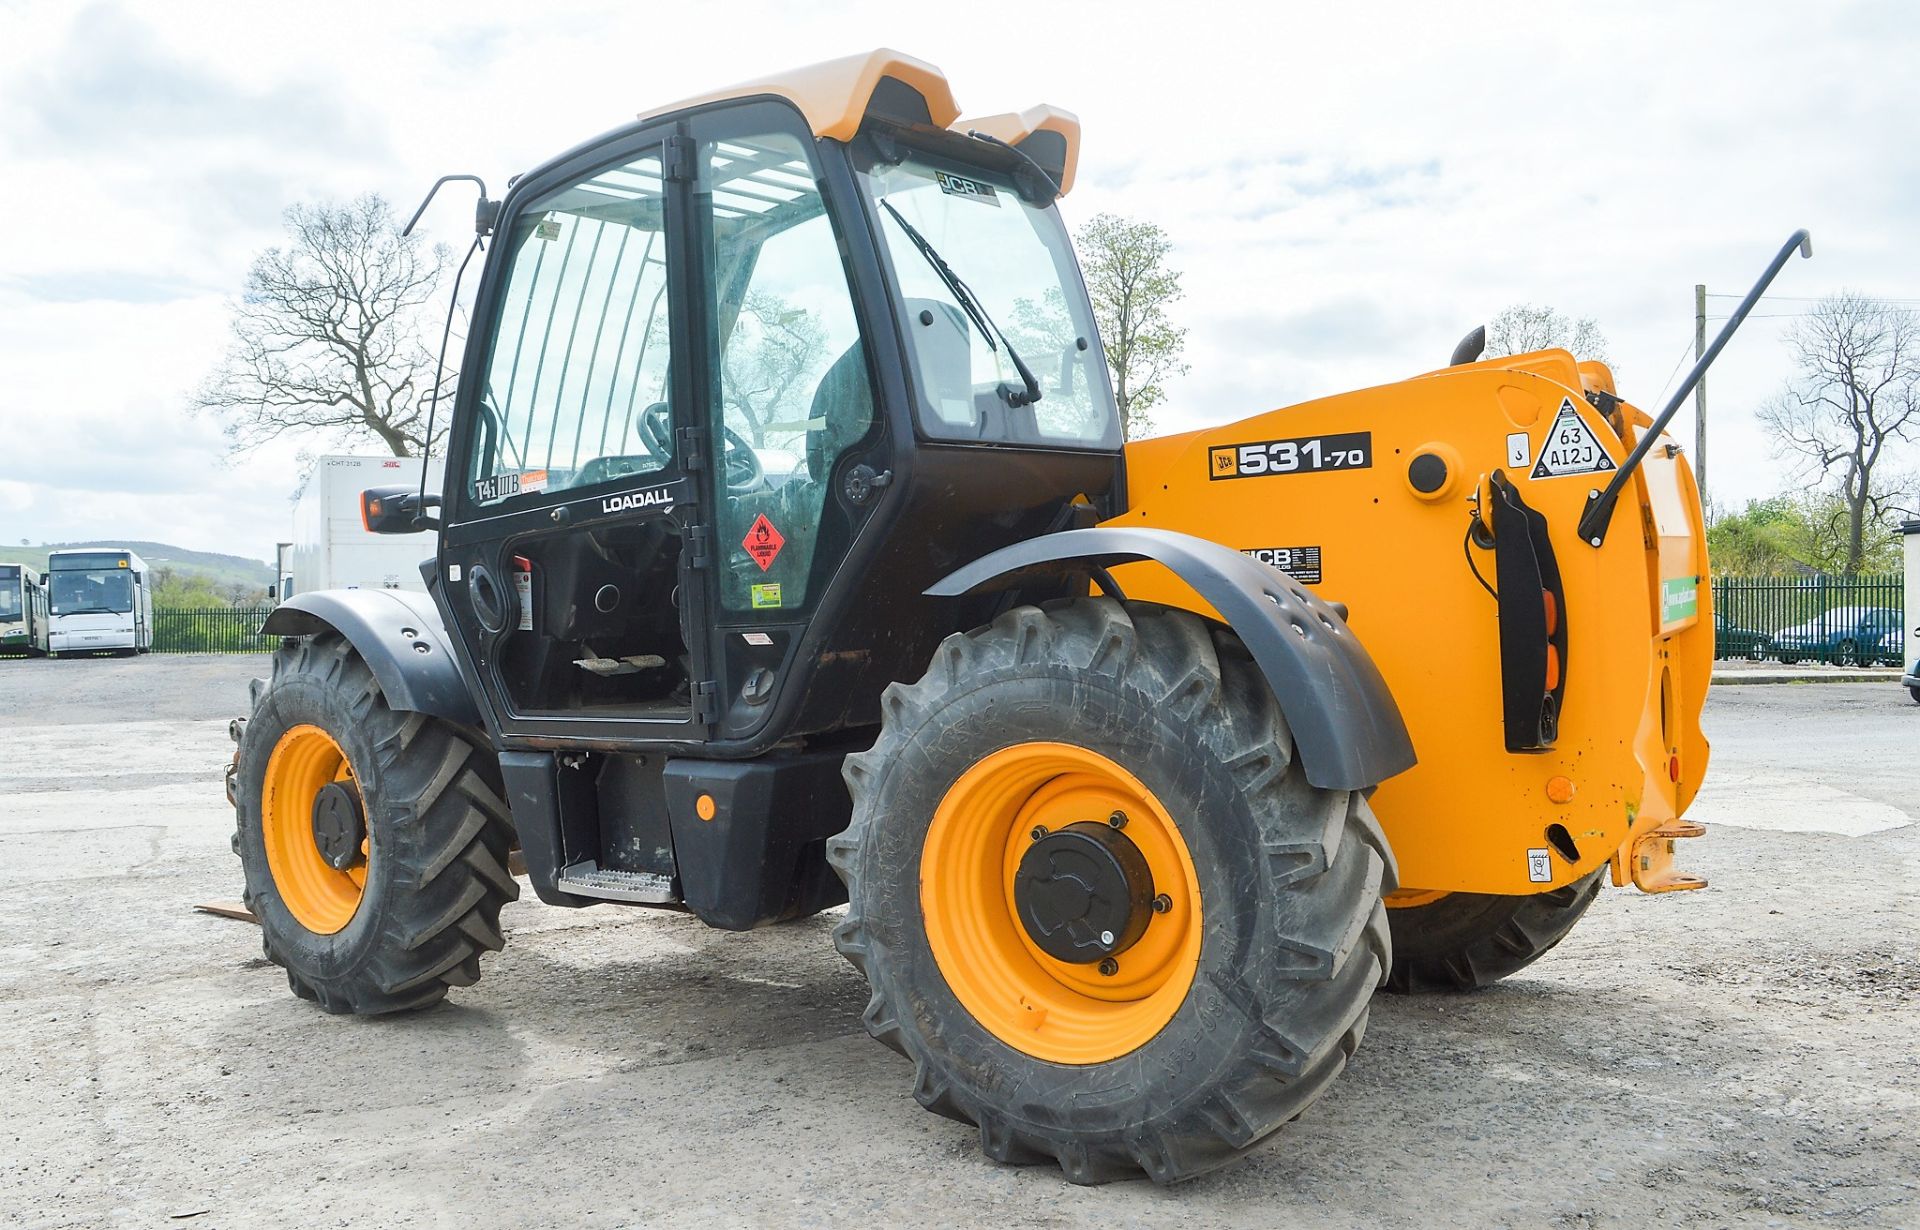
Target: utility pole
(1700, 390)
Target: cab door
(787, 403)
(574, 532)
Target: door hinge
(699, 545)
(693, 448)
(679, 159)
(706, 703)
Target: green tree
(1797, 534)
(1132, 287)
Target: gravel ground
(1741, 1055)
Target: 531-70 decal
(1348, 450)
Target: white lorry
(332, 550)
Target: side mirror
(397, 510)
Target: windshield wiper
(971, 306)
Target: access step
(589, 879)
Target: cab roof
(836, 96)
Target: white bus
(23, 610)
(99, 598)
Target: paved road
(1737, 1056)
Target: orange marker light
(704, 807)
(1560, 789)
(1673, 768)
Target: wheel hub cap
(1084, 893)
(339, 824)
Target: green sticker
(767, 595)
(1679, 598)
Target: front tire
(388, 898)
(1465, 941)
(1247, 990)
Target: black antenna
(1593, 523)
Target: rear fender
(1343, 718)
(400, 635)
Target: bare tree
(1132, 286)
(773, 346)
(330, 334)
(1854, 397)
(1522, 328)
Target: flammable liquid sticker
(1300, 563)
(763, 543)
(1571, 447)
(1347, 450)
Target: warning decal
(1571, 447)
(763, 542)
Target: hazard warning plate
(763, 542)
(1571, 447)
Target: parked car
(1731, 641)
(1844, 636)
(1912, 681)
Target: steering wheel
(740, 464)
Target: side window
(792, 393)
(576, 385)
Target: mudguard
(401, 636)
(1344, 720)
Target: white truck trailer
(332, 550)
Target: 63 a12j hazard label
(1571, 447)
(1347, 450)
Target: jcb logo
(1225, 460)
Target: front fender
(400, 635)
(1344, 719)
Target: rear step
(589, 879)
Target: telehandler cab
(790, 555)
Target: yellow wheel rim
(321, 898)
(1050, 1009)
(1408, 898)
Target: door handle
(492, 603)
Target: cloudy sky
(1350, 187)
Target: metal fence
(1843, 620)
(210, 630)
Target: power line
(1684, 352)
(1818, 298)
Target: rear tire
(1289, 939)
(434, 863)
(1464, 941)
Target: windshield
(1015, 260)
(76, 593)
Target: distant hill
(220, 570)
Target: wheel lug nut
(1039, 831)
(1118, 819)
(1162, 904)
(1109, 966)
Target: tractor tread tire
(438, 820)
(1465, 941)
(1257, 1040)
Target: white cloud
(1350, 188)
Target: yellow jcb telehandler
(789, 554)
